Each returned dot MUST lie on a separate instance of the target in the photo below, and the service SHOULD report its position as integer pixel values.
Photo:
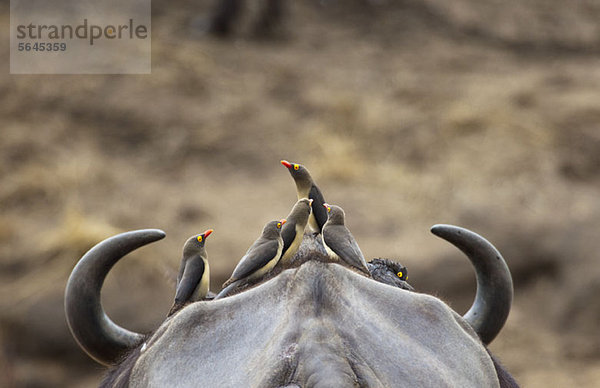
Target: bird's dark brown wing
(257, 257)
(288, 234)
(194, 268)
(180, 273)
(339, 239)
(319, 211)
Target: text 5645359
(42, 46)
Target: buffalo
(315, 324)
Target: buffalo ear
(118, 376)
(504, 378)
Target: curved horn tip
(149, 235)
(445, 230)
(158, 232)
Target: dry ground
(484, 114)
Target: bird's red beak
(207, 233)
(286, 163)
(325, 205)
(283, 221)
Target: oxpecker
(339, 242)
(193, 280)
(306, 188)
(293, 230)
(261, 256)
(389, 272)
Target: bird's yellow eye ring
(400, 274)
(296, 166)
(278, 225)
(199, 238)
(328, 209)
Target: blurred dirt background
(484, 114)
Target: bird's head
(335, 214)
(195, 243)
(202, 237)
(389, 272)
(273, 228)
(298, 172)
(301, 209)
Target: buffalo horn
(98, 336)
(494, 294)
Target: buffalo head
(316, 324)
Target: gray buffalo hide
(319, 325)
